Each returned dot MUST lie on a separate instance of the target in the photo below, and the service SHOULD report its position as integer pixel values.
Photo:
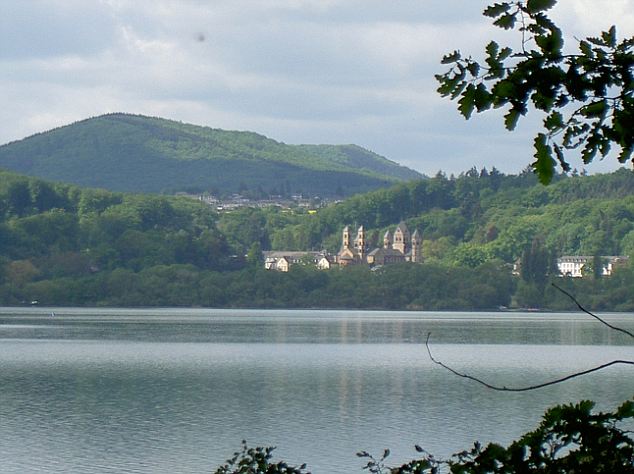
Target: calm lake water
(175, 391)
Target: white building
(282, 260)
(573, 265)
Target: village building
(326, 262)
(283, 260)
(352, 250)
(397, 248)
(573, 265)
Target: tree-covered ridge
(356, 157)
(482, 215)
(65, 245)
(58, 230)
(134, 153)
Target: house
(398, 247)
(573, 265)
(282, 264)
(284, 259)
(326, 262)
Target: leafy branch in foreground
(257, 461)
(587, 97)
(570, 438)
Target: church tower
(360, 244)
(417, 251)
(401, 240)
(387, 239)
(345, 240)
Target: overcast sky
(297, 71)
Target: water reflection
(310, 327)
(153, 393)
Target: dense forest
(134, 153)
(478, 216)
(65, 245)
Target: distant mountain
(123, 152)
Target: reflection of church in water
(398, 247)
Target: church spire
(417, 252)
(345, 238)
(360, 243)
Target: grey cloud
(44, 29)
(369, 11)
(310, 71)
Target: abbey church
(398, 247)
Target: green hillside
(481, 216)
(65, 245)
(133, 153)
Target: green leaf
(467, 101)
(450, 85)
(610, 37)
(447, 84)
(626, 410)
(483, 98)
(535, 6)
(550, 44)
(505, 53)
(554, 121)
(626, 154)
(492, 49)
(590, 150)
(492, 58)
(544, 23)
(542, 101)
(586, 49)
(504, 89)
(506, 21)
(451, 57)
(544, 164)
(511, 118)
(473, 68)
(457, 90)
(595, 109)
(596, 41)
(496, 9)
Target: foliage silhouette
(587, 96)
(257, 461)
(571, 438)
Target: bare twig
(615, 328)
(545, 384)
(521, 389)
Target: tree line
(65, 245)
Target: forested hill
(65, 245)
(483, 215)
(133, 153)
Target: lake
(176, 390)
